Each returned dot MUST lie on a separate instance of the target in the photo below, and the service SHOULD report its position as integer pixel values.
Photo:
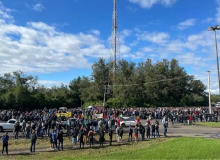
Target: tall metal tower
(115, 38)
(115, 50)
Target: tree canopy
(145, 84)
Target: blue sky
(59, 40)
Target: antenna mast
(115, 54)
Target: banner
(99, 116)
(68, 114)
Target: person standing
(110, 136)
(157, 129)
(60, 138)
(54, 139)
(28, 130)
(136, 134)
(16, 129)
(148, 131)
(33, 141)
(75, 134)
(23, 126)
(130, 132)
(90, 135)
(142, 132)
(81, 134)
(121, 134)
(5, 139)
(118, 132)
(68, 125)
(101, 136)
(153, 130)
(165, 128)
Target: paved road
(176, 130)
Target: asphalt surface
(175, 130)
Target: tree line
(145, 84)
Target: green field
(209, 124)
(164, 148)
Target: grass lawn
(163, 148)
(210, 124)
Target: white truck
(9, 125)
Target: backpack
(33, 127)
(4, 138)
(136, 131)
(119, 131)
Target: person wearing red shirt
(148, 121)
(138, 120)
(190, 119)
(118, 122)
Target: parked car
(9, 125)
(127, 121)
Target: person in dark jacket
(91, 139)
(81, 134)
(130, 132)
(148, 131)
(110, 132)
(60, 139)
(142, 132)
(153, 131)
(101, 135)
(33, 141)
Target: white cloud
(155, 37)
(217, 13)
(150, 3)
(39, 47)
(147, 49)
(38, 7)
(207, 20)
(95, 32)
(4, 14)
(186, 24)
(48, 83)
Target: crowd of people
(46, 123)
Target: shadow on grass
(19, 154)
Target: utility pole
(210, 109)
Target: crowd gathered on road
(83, 124)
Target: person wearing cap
(33, 141)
